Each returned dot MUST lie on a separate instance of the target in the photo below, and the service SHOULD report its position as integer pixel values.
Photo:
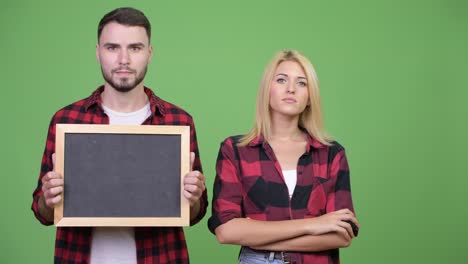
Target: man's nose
(124, 57)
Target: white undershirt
(110, 245)
(290, 177)
(133, 118)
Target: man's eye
(110, 48)
(135, 48)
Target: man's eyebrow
(138, 44)
(110, 44)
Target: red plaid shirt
(249, 183)
(154, 244)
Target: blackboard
(122, 175)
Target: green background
(393, 83)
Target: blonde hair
(310, 119)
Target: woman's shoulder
(329, 145)
(232, 140)
(335, 145)
(335, 149)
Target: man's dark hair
(125, 16)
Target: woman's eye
(280, 80)
(302, 84)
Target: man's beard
(124, 85)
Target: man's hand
(52, 186)
(194, 183)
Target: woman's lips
(289, 100)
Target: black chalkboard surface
(122, 175)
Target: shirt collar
(156, 103)
(311, 142)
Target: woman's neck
(286, 129)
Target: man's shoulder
(70, 112)
(171, 108)
(174, 114)
(165, 106)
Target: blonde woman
(282, 191)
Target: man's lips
(123, 71)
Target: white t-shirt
(133, 118)
(290, 177)
(110, 245)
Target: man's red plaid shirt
(154, 244)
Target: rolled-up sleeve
(46, 166)
(227, 190)
(340, 197)
(197, 166)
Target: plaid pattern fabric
(249, 183)
(154, 245)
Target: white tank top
(290, 177)
(111, 245)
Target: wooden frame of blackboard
(183, 219)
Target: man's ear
(97, 52)
(150, 53)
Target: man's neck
(124, 102)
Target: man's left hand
(194, 183)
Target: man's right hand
(52, 187)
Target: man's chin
(124, 89)
(123, 86)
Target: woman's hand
(334, 222)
